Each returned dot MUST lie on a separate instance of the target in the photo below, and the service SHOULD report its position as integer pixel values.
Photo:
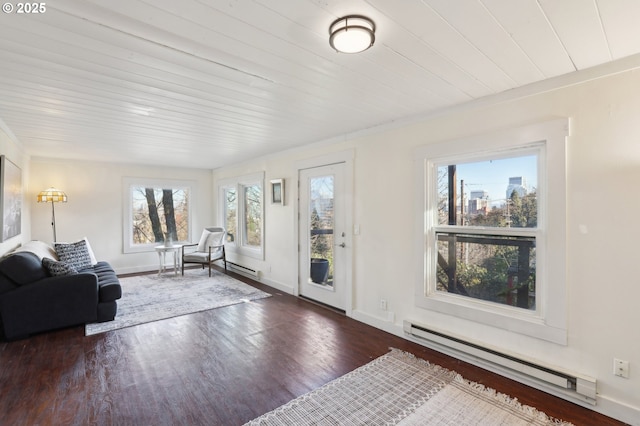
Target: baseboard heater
(235, 267)
(562, 384)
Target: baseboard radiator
(559, 383)
(243, 270)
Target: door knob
(343, 245)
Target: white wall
(95, 206)
(12, 149)
(603, 231)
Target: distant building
(478, 202)
(518, 184)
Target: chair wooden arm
(186, 245)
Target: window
(486, 235)
(155, 211)
(230, 206)
(252, 223)
(241, 209)
(491, 252)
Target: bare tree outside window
(159, 214)
(231, 213)
(253, 215)
(241, 211)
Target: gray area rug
(400, 389)
(148, 298)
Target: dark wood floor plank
(225, 366)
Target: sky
(493, 176)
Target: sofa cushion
(22, 268)
(39, 248)
(6, 284)
(75, 254)
(57, 269)
(196, 257)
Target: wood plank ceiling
(207, 83)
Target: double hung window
(241, 210)
(492, 220)
(486, 230)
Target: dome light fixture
(352, 34)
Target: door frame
(345, 157)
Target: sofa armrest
(109, 288)
(49, 303)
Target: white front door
(323, 235)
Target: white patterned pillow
(57, 269)
(91, 255)
(76, 254)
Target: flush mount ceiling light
(352, 34)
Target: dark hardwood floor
(225, 366)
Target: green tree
(319, 247)
(523, 210)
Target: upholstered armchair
(209, 249)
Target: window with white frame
(241, 210)
(155, 211)
(492, 229)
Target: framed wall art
(10, 198)
(277, 191)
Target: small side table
(162, 257)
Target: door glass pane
(321, 224)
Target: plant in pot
(319, 270)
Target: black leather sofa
(32, 301)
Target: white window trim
(549, 321)
(238, 183)
(127, 219)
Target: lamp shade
(52, 195)
(352, 34)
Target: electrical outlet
(383, 304)
(620, 368)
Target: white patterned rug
(400, 389)
(148, 298)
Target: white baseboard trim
(605, 405)
(618, 410)
(378, 322)
(277, 285)
(154, 268)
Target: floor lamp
(53, 196)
